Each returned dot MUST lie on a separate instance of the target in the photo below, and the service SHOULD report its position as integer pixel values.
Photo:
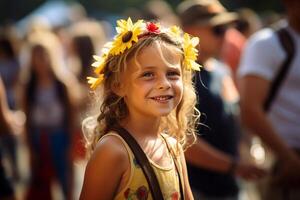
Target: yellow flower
(175, 32)
(100, 61)
(190, 52)
(99, 64)
(94, 82)
(127, 34)
(106, 48)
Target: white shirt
(48, 110)
(263, 56)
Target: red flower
(126, 193)
(152, 27)
(142, 193)
(175, 196)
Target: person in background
(278, 125)
(232, 48)
(9, 70)
(48, 103)
(6, 188)
(86, 38)
(213, 162)
(248, 22)
(154, 10)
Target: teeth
(162, 98)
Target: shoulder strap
(288, 45)
(142, 161)
(177, 167)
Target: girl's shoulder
(113, 143)
(111, 151)
(107, 167)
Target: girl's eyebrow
(155, 67)
(148, 67)
(144, 68)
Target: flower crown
(129, 33)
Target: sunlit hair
(179, 123)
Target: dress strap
(175, 160)
(143, 162)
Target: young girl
(145, 74)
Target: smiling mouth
(162, 98)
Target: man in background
(278, 124)
(214, 160)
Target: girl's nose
(163, 83)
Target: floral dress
(137, 187)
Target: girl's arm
(105, 170)
(187, 188)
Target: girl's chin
(164, 113)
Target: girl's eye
(148, 74)
(173, 74)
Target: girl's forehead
(169, 52)
(159, 52)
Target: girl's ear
(118, 89)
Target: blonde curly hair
(179, 123)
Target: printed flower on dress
(175, 196)
(126, 193)
(142, 193)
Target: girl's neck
(142, 127)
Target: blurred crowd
(45, 96)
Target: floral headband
(129, 33)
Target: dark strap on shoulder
(143, 161)
(288, 45)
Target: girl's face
(152, 84)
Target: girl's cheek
(179, 88)
(179, 84)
